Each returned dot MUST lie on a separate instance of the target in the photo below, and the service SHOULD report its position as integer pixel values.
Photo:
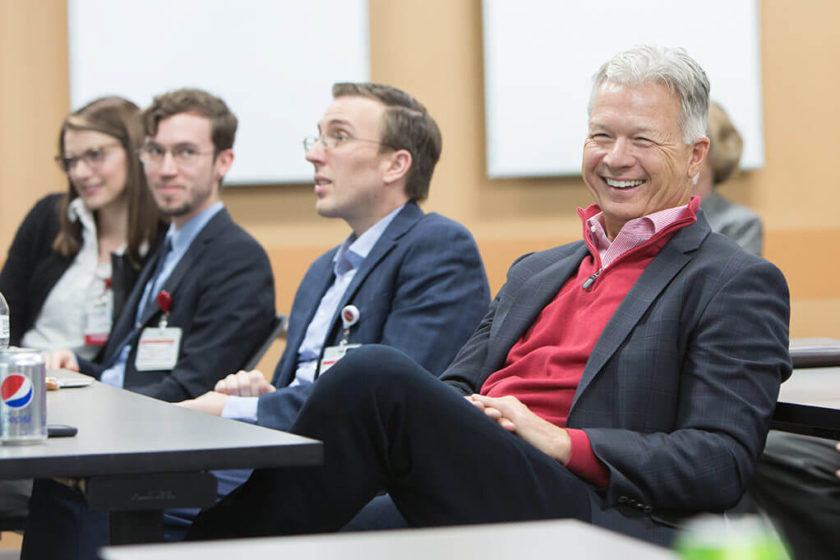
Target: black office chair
(16, 524)
(803, 419)
(814, 352)
(15, 494)
(278, 330)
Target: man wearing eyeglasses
(415, 280)
(405, 279)
(207, 297)
(188, 151)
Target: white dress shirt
(61, 322)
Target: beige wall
(34, 96)
(432, 48)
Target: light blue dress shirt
(181, 239)
(346, 262)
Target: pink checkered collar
(634, 233)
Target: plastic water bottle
(4, 323)
(747, 537)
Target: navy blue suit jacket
(422, 289)
(677, 394)
(223, 300)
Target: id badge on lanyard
(159, 347)
(99, 318)
(332, 354)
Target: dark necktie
(144, 301)
(148, 296)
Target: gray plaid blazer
(678, 392)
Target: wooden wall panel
(34, 95)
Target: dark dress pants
(387, 423)
(795, 484)
(60, 524)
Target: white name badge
(158, 348)
(98, 323)
(332, 354)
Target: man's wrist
(562, 447)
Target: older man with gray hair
(626, 380)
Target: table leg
(135, 503)
(135, 527)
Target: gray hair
(671, 67)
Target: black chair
(278, 330)
(15, 523)
(809, 417)
(815, 352)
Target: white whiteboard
(272, 61)
(540, 55)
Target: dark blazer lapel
(125, 322)
(516, 314)
(659, 273)
(401, 223)
(311, 295)
(318, 279)
(213, 228)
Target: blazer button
(622, 499)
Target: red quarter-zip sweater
(544, 367)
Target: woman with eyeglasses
(77, 254)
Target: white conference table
(137, 456)
(536, 540)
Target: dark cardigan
(32, 268)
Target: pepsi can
(23, 396)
